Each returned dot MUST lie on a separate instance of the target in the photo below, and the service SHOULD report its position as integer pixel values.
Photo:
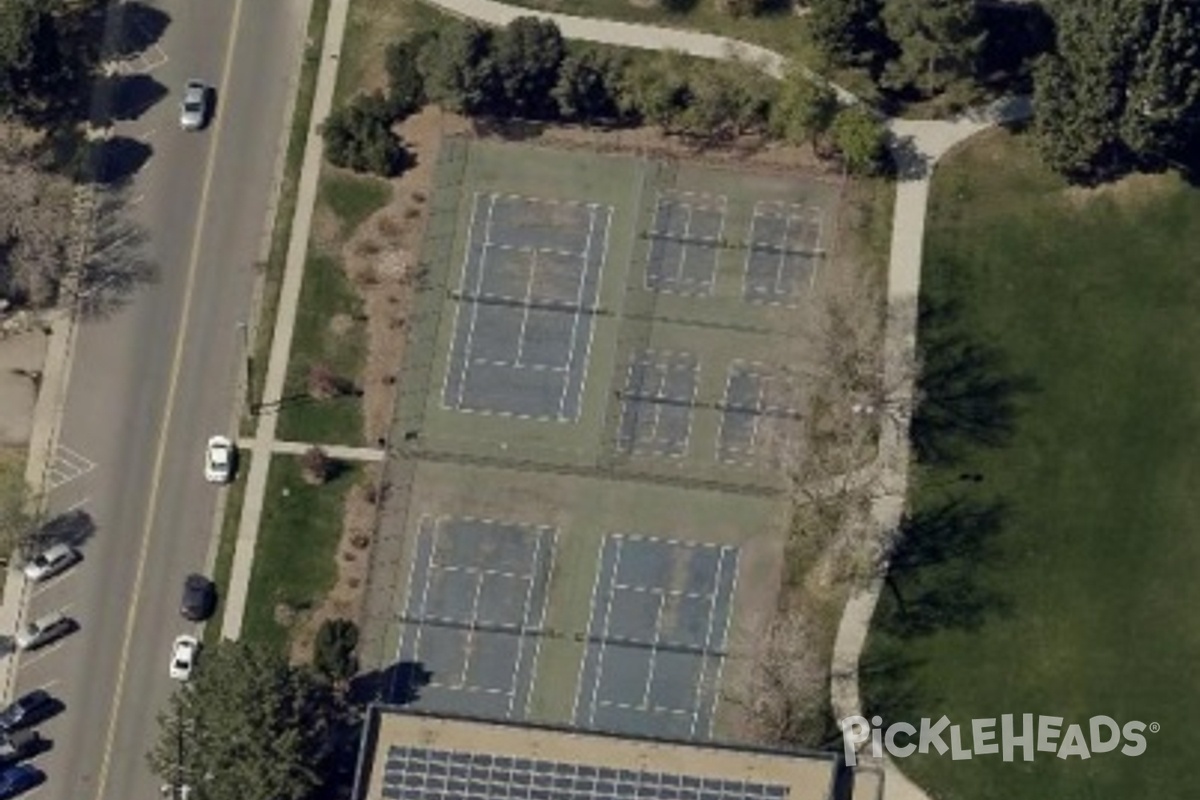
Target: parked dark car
(199, 598)
(15, 780)
(26, 710)
(17, 745)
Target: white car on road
(50, 562)
(183, 657)
(218, 460)
(193, 110)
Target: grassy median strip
(227, 545)
(295, 562)
(285, 210)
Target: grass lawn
(295, 560)
(226, 546)
(352, 198)
(285, 211)
(1082, 601)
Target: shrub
(359, 136)
(316, 468)
(333, 650)
(406, 87)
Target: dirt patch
(344, 601)
(341, 324)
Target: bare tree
(325, 384)
(784, 694)
(35, 214)
(113, 256)
(316, 467)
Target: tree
(16, 523)
(526, 57)
(656, 89)
(848, 32)
(35, 217)
(740, 8)
(316, 467)
(457, 67)
(803, 109)
(406, 88)
(724, 99)
(247, 726)
(359, 136)
(859, 136)
(325, 384)
(333, 650)
(589, 81)
(1122, 89)
(939, 42)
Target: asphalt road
(150, 383)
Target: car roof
(197, 581)
(219, 441)
(56, 551)
(187, 639)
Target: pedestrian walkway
(338, 452)
(285, 323)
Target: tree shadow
(887, 672)
(1017, 35)
(72, 528)
(397, 684)
(906, 162)
(934, 570)
(137, 27)
(131, 96)
(113, 162)
(118, 262)
(678, 6)
(966, 394)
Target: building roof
(413, 756)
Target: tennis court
(525, 306)
(785, 250)
(476, 604)
(656, 637)
(758, 415)
(657, 402)
(685, 243)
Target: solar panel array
(418, 773)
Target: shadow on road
(72, 528)
(131, 96)
(114, 162)
(138, 26)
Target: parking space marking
(66, 466)
(41, 653)
(40, 588)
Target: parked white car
(183, 657)
(43, 631)
(50, 562)
(218, 460)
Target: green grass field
(295, 560)
(1081, 601)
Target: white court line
(496, 573)
(462, 286)
(724, 638)
(687, 434)
(468, 345)
(712, 612)
(527, 307)
(492, 362)
(429, 568)
(653, 653)
(583, 274)
(587, 352)
(639, 537)
(659, 590)
(521, 635)
(541, 623)
(467, 688)
(533, 249)
(591, 618)
(616, 569)
(408, 597)
(472, 623)
(648, 709)
(683, 249)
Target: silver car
(193, 111)
(43, 631)
(50, 562)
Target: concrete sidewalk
(338, 452)
(285, 323)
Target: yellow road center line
(173, 385)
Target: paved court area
(656, 639)
(685, 243)
(525, 304)
(758, 416)
(656, 403)
(476, 603)
(786, 245)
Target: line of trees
(527, 71)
